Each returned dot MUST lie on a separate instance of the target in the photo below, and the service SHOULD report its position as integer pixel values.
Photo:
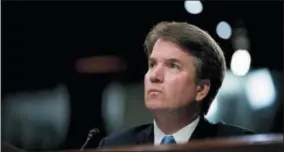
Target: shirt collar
(181, 136)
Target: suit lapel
(146, 136)
(204, 129)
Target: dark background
(42, 40)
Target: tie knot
(168, 140)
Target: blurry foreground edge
(5, 147)
(260, 142)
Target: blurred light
(113, 106)
(212, 112)
(240, 39)
(193, 7)
(224, 30)
(37, 120)
(240, 62)
(260, 89)
(100, 64)
(232, 85)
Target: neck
(172, 121)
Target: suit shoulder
(123, 137)
(232, 130)
(127, 133)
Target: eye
(173, 65)
(151, 64)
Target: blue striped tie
(168, 140)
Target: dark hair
(210, 58)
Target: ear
(203, 88)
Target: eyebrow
(151, 59)
(174, 60)
(167, 60)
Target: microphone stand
(89, 137)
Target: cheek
(180, 85)
(146, 80)
(177, 81)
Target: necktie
(168, 140)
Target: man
(185, 71)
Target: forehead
(164, 49)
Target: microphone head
(93, 131)
(89, 137)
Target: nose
(157, 74)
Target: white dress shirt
(181, 136)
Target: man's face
(170, 80)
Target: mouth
(154, 91)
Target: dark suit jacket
(6, 147)
(145, 134)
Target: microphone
(91, 133)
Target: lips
(154, 90)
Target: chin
(155, 105)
